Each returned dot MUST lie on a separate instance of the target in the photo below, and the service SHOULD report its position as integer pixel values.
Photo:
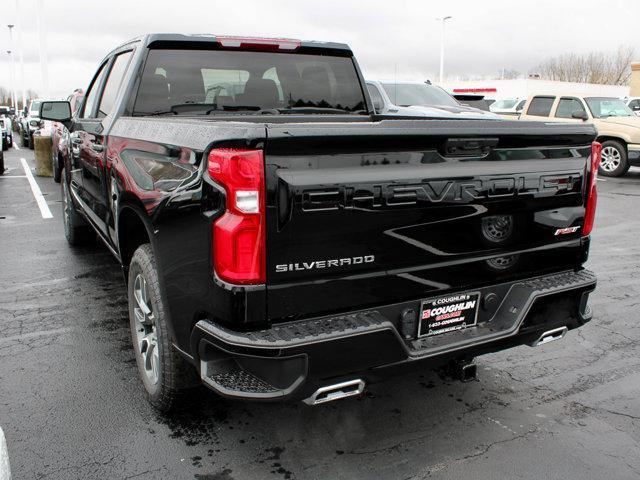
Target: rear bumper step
(300, 359)
(511, 313)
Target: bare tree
(595, 67)
(5, 96)
(508, 74)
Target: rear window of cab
(212, 82)
(540, 106)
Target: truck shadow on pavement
(414, 426)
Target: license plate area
(448, 313)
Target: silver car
(419, 99)
(29, 123)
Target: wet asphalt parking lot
(71, 406)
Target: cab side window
(376, 98)
(111, 88)
(540, 106)
(566, 107)
(92, 94)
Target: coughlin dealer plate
(447, 314)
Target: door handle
(96, 147)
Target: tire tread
(177, 375)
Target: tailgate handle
(469, 147)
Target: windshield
(409, 94)
(602, 107)
(503, 104)
(34, 109)
(209, 82)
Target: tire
(76, 229)
(5, 145)
(11, 141)
(165, 373)
(614, 161)
(31, 146)
(23, 140)
(1, 163)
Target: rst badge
(564, 231)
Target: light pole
(19, 31)
(442, 20)
(42, 36)
(12, 73)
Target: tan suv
(618, 128)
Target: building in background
(523, 87)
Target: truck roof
(201, 39)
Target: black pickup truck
(281, 241)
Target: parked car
(419, 99)
(618, 128)
(280, 240)
(7, 132)
(60, 147)
(634, 104)
(10, 113)
(29, 123)
(508, 106)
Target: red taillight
(239, 235)
(259, 44)
(591, 190)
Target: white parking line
(13, 176)
(15, 145)
(44, 208)
(5, 471)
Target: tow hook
(464, 370)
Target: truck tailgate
(360, 215)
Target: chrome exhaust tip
(336, 391)
(550, 336)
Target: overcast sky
(482, 38)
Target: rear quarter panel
(156, 168)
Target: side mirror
(580, 115)
(58, 111)
(377, 106)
